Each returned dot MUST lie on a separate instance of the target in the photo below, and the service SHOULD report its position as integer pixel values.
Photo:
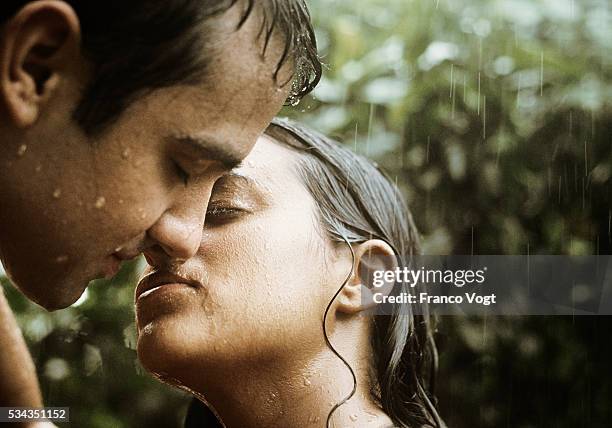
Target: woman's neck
(301, 395)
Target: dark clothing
(200, 416)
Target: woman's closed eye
(219, 213)
(233, 198)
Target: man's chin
(54, 296)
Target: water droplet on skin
(354, 417)
(126, 153)
(22, 149)
(61, 259)
(307, 382)
(57, 193)
(121, 201)
(100, 202)
(118, 249)
(38, 168)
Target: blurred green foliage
(495, 118)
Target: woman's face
(259, 285)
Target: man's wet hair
(137, 46)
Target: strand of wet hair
(329, 344)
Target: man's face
(73, 207)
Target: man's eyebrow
(215, 151)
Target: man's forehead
(244, 48)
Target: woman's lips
(164, 289)
(163, 281)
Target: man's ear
(372, 258)
(37, 47)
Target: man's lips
(112, 266)
(158, 279)
(113, 262)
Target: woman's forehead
(269, 161)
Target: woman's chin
(164, 346)
(157, 357)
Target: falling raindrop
(478, 108)
(450, 93)
(57, 193)
(21, 150)
(484, 117)
(61, 259)
(370, 121)
(480, 53)
(586, 169)
(100, 202)
(518, 91)
(541, 73)
(38, 168)
(453, 91)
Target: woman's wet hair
(142, 45)
(356, 203)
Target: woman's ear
(37, 48)
(372, 259)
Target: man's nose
(178, 232)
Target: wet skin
(73, 206)
(239, 324)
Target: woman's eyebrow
(235, 182)
(237, 178)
